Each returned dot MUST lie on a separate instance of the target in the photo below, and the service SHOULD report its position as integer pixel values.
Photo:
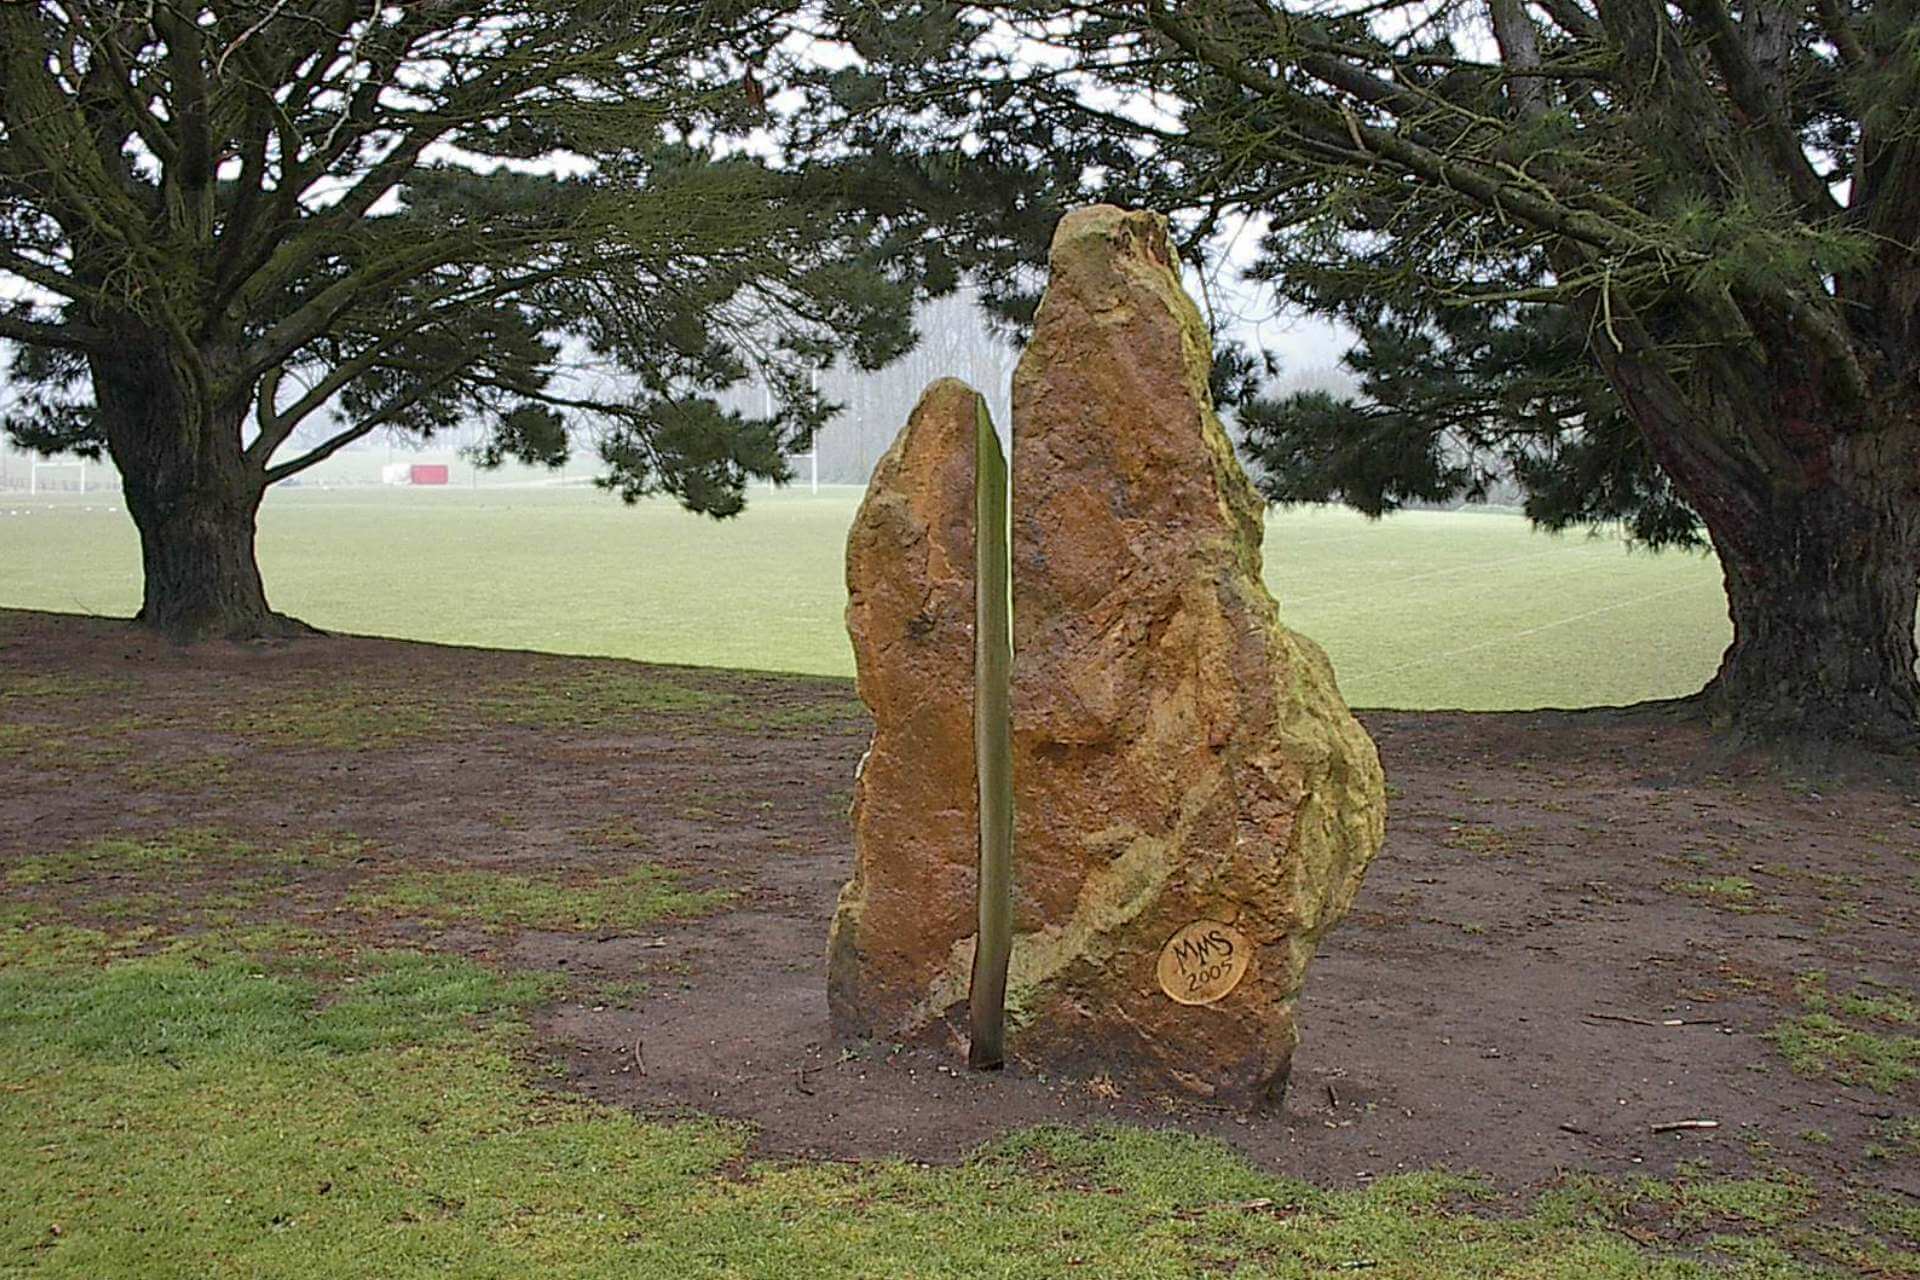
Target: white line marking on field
(1524, 632)
(1376, 588)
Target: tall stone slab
(1196, 805)
(1183, 760)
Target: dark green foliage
(677, 267)
(244, 236)
(1454, 406)
(1653, 264)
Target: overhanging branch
(70, 337)
(1328, 127)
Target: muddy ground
(1584, 925)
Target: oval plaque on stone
(1203, 962)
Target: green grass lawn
(1423, 609)
(265, 1105)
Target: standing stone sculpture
(1195, 803)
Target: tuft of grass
(121, 854)
(343, 717)
(35, 944)
(193, 774)
(77, 743)
(203, 879)
(1819, 1044)
(358, 716)
(176, 1007)
(1764, 1202)
(1895, 1137)
(1896, 1217)
(503, 900)
(597, 700)
(51, 686)
(18, 915)
(64, 749)
(1733, 893)
(1827, 1040)
(177, 850)
(1895, 1007)
(616, 991)
(1482, 840)
(622, 836)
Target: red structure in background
(427, 473)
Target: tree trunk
(196, 547)
(1822, 586)
(192, 494)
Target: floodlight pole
(813, 442)
(766, 408)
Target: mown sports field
(1421, 610)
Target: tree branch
(1846, 41)
(12, 262)
(1519, 43)
(69, 337)
(1757, 102)
(189, 179)
(386, 413)
(1573, 20)
(1344, 133)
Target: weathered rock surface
(915, 805)
(1196, 805)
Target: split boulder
(1195, 803)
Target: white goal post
(37, 466)
(812, 456)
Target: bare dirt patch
(1583, 926)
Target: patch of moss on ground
(185, 849)
(1733, 893)
(48, 749)
(343, 717)
(606, 700)
(56, 686)
(358, 716)
(1831, 1040)
(504, 900)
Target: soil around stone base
(1584, 925)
